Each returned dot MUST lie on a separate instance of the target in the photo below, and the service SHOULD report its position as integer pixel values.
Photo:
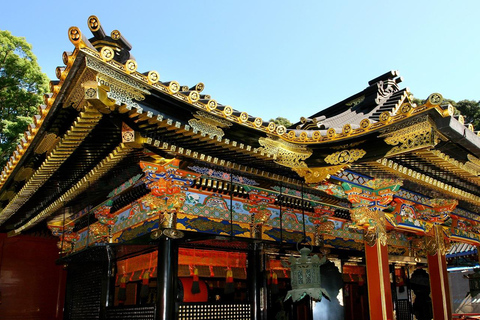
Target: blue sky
(275, 58)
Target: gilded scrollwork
(473, 164)
(345, 156)
(317, 175)
(411, 136)
(370, 237)
(209, 124)
(285, 153)
(109, 72)
(373, 220)
(77, 94)
(431, 245)
(49, 141)
(322, 229)
(437, 243)
(121, 93)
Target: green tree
(470, 109)
(280, 121)
(22, 85)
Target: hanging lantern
(305, 277)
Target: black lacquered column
(255, 275)
(167, 270)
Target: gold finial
(281, 130)
(198, 87)
(153, 77)
(193, 96)
(347, 129)
(67, 58)
(60, 73)
(94, 23)
(75, 36)
(107, 53)
(243, 117)
(331, 133)
(227, 111)
(130, 66)
(116, 35)
(271, 126)
(435, 99)
(385, 117)
(173, 87)
(365, 124)
(211, 105)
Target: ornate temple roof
(103, 115)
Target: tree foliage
(22, 85)
(470, 109)
(280, 121)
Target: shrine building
(167, 204)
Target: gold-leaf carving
(413, 137)
(24, 173)
(317, 175)
(374, 220)
(345, 156)
(121, 93)
(285, 153)
(47, 144)
(209, 124)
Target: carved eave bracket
(112, 89)
(319, 174)
(416, 134)
(209, 125)
(285, 153)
